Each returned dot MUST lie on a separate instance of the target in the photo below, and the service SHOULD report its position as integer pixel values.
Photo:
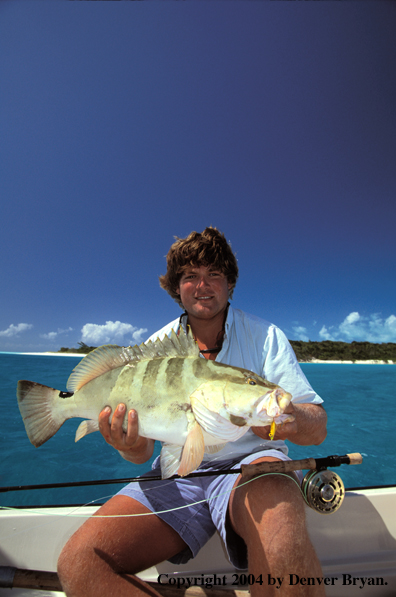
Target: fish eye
(251, 381)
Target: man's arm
(130, 445)
(308, 427)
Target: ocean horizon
(357, 398)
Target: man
(262, 523)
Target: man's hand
(308, 427)
(131, 445)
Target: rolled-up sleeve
(281, 367)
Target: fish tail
(39, 409)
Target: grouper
(190, 404)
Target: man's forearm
(311, 425)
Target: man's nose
(203, 282)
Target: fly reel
(323, 490)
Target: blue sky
(123, 124)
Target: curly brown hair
(208, 248)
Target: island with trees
(329, 350)
(308, 352)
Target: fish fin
(170, 459)
(110, 356)
(214, 449)
(86, 427)
(96, 363)
(284, 418)
(193, 451)
(215, 424)
(40, 412)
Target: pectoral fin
(193, 451)
(183, 460)
(170, 459)
(85, 428)
(214, 449)
(215, 424)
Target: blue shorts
(195, 508)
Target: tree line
(82, 349)
(326, 350)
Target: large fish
(190, 404)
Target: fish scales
(204, 369)
(175, 373)
(150, 374)
(188, 403)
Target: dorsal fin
(110, 356)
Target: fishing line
(321, 489)
(71, 515)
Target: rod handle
(355, 458)
(277, 466)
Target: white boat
(356, 545)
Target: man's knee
(281, 492)
(267, 499)
(71, 563)
(77, 562)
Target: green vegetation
(82, 349)
(344, 351)
(324, 351)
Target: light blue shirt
(259, 346)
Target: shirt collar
(228, 323)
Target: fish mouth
(273, 404)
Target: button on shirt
(259, 346)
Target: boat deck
(356, 546)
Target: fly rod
(247, 470)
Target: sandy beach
(53, 354)
(371, 362)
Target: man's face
(203, 291)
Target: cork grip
(288, 466)
(355, 458)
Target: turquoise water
(359, 399)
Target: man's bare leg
(269, 514)
(101, 558)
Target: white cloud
(301, 333)
(324, 334)
(49, 336)
(112, 332)
(359, 328)
(14, 330)
(53, 335)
